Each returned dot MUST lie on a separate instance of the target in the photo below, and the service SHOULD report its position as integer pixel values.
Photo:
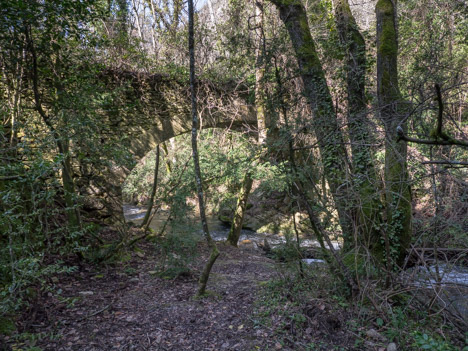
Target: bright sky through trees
(199, 4)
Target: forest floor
(127, 306)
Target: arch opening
(225, 156)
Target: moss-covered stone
(283, 225)
(282, 228)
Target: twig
(12, 177)
(96, 313)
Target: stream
(218, 230)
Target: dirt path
(136, 310)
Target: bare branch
(440, 138)
(402, 136)
(445, 162)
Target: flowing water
(218, 230)
(448, 282)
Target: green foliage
(224, 159)
(433, 46)
(27, 341)
(7, 326)
(360, 263)
(177, 251)
(75, 42)
(34, 206)
(30, 232)
(424, 341)
(414, 328)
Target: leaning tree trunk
(239, 213)
(330, 140)
(367, 204)
(211, 244)
(166, 158)
(154, 188)
(263, 125)
(392, 108)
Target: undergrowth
(307, 310)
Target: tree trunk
(326, 128)
(211, 244)
(260, 98)
(367, 203)
(239, 213)
(392, 108)
(298, 189)
(153, 190)
(263, 124)
(167, 161)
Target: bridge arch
(159, 110)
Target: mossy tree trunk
(153, 191)
(392, 108)
(196, 163)
(166, 158)
(367, 203)
(263, 125)
(298, 188)
(239, 213)
(326, 128)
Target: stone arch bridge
(148, 109)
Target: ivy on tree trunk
(366, 200)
